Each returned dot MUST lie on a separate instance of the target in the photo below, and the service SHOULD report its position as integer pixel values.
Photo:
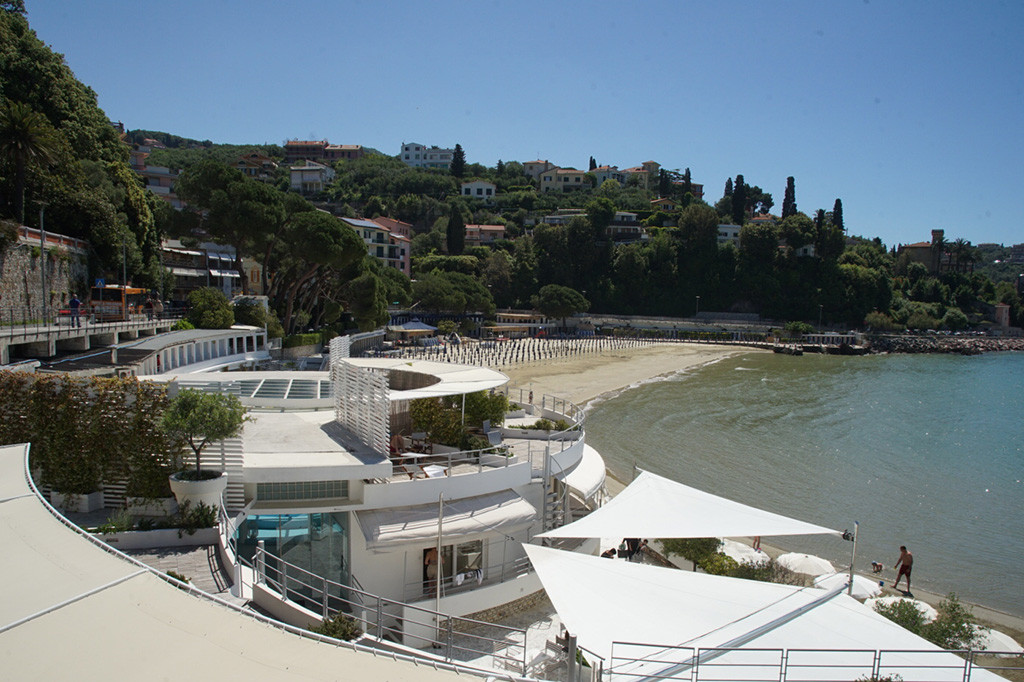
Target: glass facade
(317, 543)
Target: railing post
(449, 639)
(261, 562)
(325, 609)
(284, 578)
(380, 617)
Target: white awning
(224, 273)
(186, 252)
(656, 507)
(588, 476)
(187, 272)
(673, 608)
(504, 512)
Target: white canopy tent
(503, 511)
(656, 507)
(607, 603)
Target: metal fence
(641, 661)
(24, 321)
(452, 638)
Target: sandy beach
(582, 379)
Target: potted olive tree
(199, 419)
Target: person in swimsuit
(905, 564)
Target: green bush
(178, 576)
(182, 325)
(766, 572)
(798, 327)
(120, 522)
(719, 564)
(952, 629)
(190, 519)
(295, 340)
(338, 626)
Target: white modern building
(317, 495)
(421, 156)
(311, 177)
(479, 189)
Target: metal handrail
(492, 574)
(779, 664)
(386, 617)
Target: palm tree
(960, 248)
(939, 247)
(25, 136)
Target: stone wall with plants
(21, 267)
(84, 432)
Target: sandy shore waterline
(582, 379)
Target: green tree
(789, 201)
(209, 308)
(728, 188)
(201, 418)
(250, 311)
(458, 166)
(695, 550)
(26, 137)
(558, 301)
(739, 201)
(600, 213)
(456, 231)
(837, 215)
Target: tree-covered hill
(72, 159)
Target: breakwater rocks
(961, 345)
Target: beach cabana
(686, 618)
(655, 507)
(411, 330)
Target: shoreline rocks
(959, 345)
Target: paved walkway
(201, 565)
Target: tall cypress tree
(500, 168)
(458, 167)
(819, 220)
(739, 201)
(593, 163)
(728, 187)
(837, 215)
(789, 202)
(687, 185)
(456, 233)
(663, 183)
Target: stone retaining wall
(21, 276)
(962, 345)
(499, 614)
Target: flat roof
(452, 379)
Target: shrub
(178, 576)
(120, 522)
(904, 613)
(190, 519)
(338, 626)
(954, 627)
(296, 340)
(880, 322)
(719, 564)
(766, 572)
(798, 327)
(182, 325)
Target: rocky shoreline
(960, 345)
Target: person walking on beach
(905, 564)
(76, 307)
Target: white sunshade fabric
(224, 273)
(588, 476)
(607, 602)
(187, 272)
(453, 379)
(387, 528)
(54, 583)
(656, 507)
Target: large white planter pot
(208, 492)
(82, 504)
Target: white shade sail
(588, 476)
(607, 603)
(656, 507)
(498, 512)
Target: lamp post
(820, 308)
(42, 253)
(697, 308)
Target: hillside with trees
(57, 148)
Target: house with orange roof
(603, 173)
(663, 204)
(563, 180)
(396, 226)
(535, 168)
(484, 235)
(638, 172)
(304, 150)
(346, 152)
(257, 166)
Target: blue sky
(911, 112)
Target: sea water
(925, 451)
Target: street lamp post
(697, 308)
(42, 253)
(820, 308)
